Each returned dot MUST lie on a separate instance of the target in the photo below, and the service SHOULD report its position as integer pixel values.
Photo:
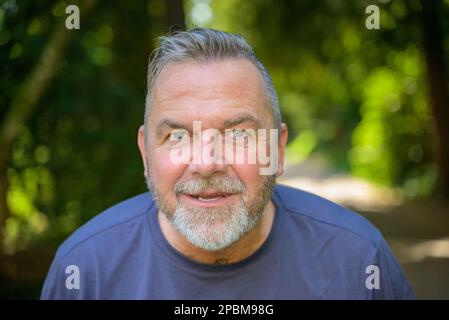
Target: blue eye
(238, 133)
(177, 136)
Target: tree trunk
(438, 88)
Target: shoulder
(131, 210)
(320, 211)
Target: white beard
(214, 229)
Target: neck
(238, 251)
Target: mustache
(215, 183)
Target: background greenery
(372, 103)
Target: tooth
(207, 199)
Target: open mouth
(208, 199)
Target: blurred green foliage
(353, 96)
(76, 155)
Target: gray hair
(204, 45)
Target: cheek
(250, 176)
(164, 172)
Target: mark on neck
(221, 261)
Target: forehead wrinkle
(179, 89)
(191, 75)
(194, 92)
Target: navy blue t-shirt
(315, 250)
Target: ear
(142, 148)
(281, 149)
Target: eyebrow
(168, 123)
(242, 119)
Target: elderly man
(215, 225)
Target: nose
(207, 169)
(207, 154)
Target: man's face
(212, 204)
